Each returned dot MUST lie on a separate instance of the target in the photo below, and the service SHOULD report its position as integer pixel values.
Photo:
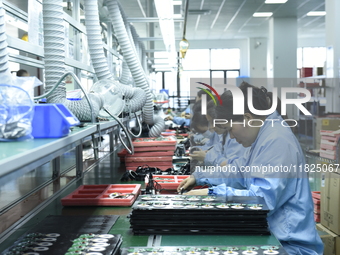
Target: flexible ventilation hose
(126, 74)
(144, 63)
(5, 73)
(135, 67)
(54, 46)
(136, 97)
(135, 38)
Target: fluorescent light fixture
(176, 2)
(262, 14)
(275, 1)
(165, 14)
(316, 13)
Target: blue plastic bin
(52, 121)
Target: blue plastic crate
(52, 121)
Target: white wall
(257, 48)
(242, 44)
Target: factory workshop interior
(217, 120)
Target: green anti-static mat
(122, 227)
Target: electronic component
(204, 250)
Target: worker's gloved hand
(187, 184)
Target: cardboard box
(325, 124)
(330, 201)
(330, 240)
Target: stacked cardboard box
(328, 144)
(330, 240)
(325, 124)
(316, 200)
(330, 209)
(330, 201)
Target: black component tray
(180, 214)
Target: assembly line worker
(181, 120)
(199, 127)
(226, 148)
(287, 194)
(185, 117)
(215, 137)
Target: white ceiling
(228, 19)
(232, 19)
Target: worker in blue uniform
(285, 190)
(227, 149)
(185, 121)
(220, 147)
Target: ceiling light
(262, 14)
(275, 1)
(166, 23)
(183, 47)
(316, 13)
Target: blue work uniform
(202, 138)
(287, 194)
(228, 151)
(215, 139)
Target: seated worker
(199, 127)
(200, 121)
(286, 193)
(191, 108)
(180, 120)
(227, 148)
